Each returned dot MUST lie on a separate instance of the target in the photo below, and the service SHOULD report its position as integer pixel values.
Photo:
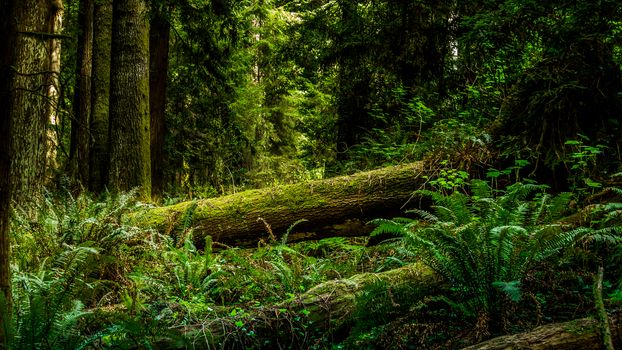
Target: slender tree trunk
(53, 94)
(7, 59)
(80, 133)
(353, 89)
(29, 93)
(158, 72)
(102, 37)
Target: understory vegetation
(508, 259)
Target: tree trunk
(80, 133)
(578, 334)
(353, 83)
(55, 26)
(158, 73)
(130, 162)
(247, 217)
(7, 61)
(29, 94)
(102, 37)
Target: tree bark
(158, 73)
(80, 133)
(102, 38)
(578, 334)
(30, 81)
(130, 162)
(7, 61)
(55, 26)
(247, 217)
(601, 312)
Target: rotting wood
(577, 334)
(242, 219)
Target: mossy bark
(130, 162)
(7, 61)
(158, 73)
(80, 133)
(30, 79)
(578, 334)
(55, 24)
(102, 37)
(247, 217)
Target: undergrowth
(485, 245)
(85, 279)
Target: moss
(234, 217)
(579, 327)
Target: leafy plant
(583, 161)
(448, 179)
(47, 309)
(485, 244)
(70, 254)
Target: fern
(485, 244)
(46, 303)
(66, 248)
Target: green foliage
(485, 244)
(583, 162)
(70, 253)
(47, 309)
(448, 180)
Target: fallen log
(577, 334)
(245, 218)
(328, 307)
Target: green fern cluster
(485, 244)
(70, 254)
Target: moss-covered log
(578, 334)
(247, 217)
(328, 307)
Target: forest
(310, 174)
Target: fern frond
(425, 215)
(615, 190)
(386, 226)
(290, 229)
(481, 189)
(608, 235)
(445, 214)
(511, 289)
(558, 207)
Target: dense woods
(310, 174)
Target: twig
(605, 330)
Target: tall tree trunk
(158, 72)
(102, 38)
(353, 80)
(29, 93)
(24, 79)
(80, 134)
(7, 60)
(130, 162)
(55, 26)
